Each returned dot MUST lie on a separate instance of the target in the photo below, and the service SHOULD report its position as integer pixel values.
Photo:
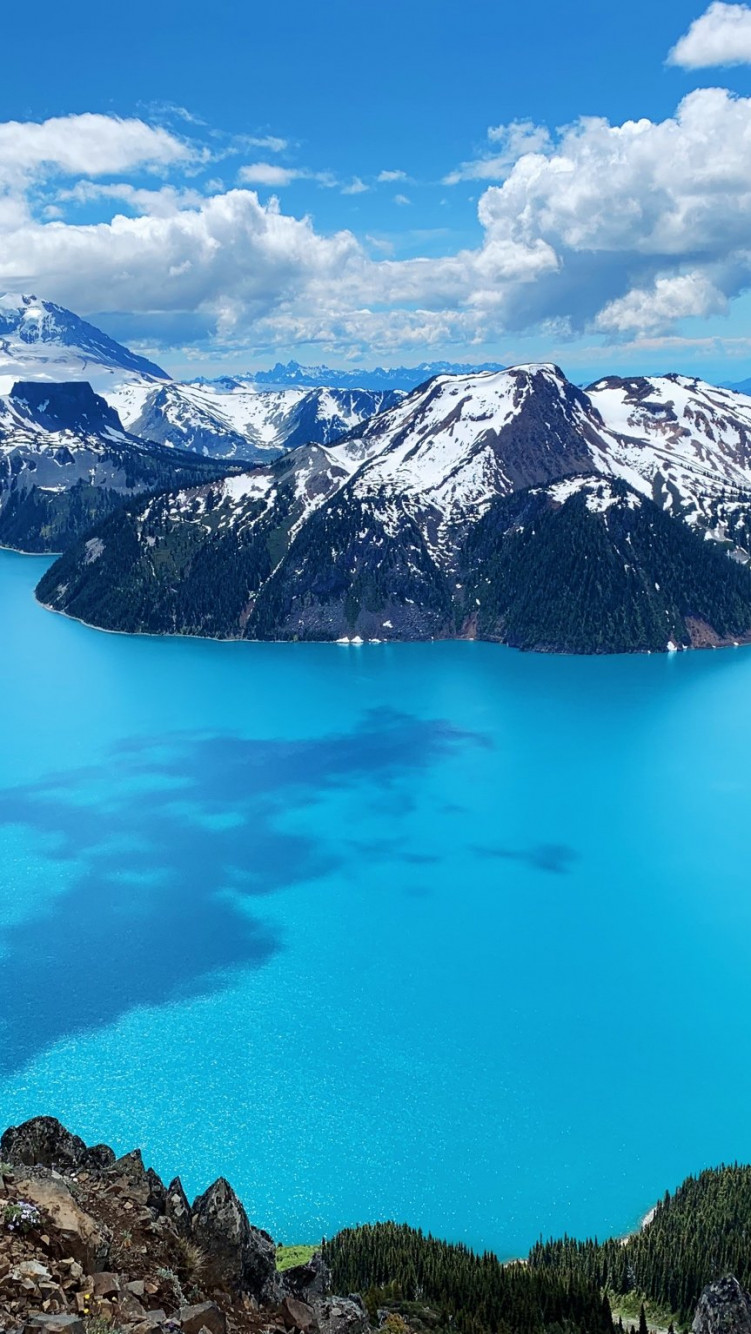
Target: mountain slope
(228, 420)
(682, 441)
(65, 462)
(451, 514)
(42, 341)
(588, 565)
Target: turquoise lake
(442, 933)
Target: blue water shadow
(165, 845)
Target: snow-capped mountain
(403, 378)
(65, 462)
(42, 341)
(231, 420)
(683, 441)
(386, 533)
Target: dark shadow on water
(557, 858)
(167, 844)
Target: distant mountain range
(242, 422)
(741, 387)
(512, 506)
(318, 377)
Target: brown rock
(129, 1307)
(298, 1315)
(77, 1233)
(205, 1316)
(153, 1320)
(55, 1324)
(106, 1285)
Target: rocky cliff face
(724, 1308)
(89, 1242)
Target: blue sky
(360, 210)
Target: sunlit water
(442, 933)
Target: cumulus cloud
(623, 229)
(387, 177)
(87, 145)
(355, 187)
(722, 36)
(510, 142)
(669, 299)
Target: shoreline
(357, 642)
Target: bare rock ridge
(86, 1237)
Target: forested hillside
(700, 1233)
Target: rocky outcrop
(86, 1236)
(341, 1315)
(76, 1233)
(177, 1209)
(243, 1258)
(724, 1308)
(310, 1280)
(43, 1140)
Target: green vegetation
(698, 1234)
(655, 1277)
(559, 577)
(289, 1256)
(449, 1286)
(606, 571)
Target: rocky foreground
(90, 1243)
(95, 1244)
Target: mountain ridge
(66, 462)
(369, 538)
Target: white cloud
(620, 229)
(722, 36)
(669, 299)
(402, 199)
(268, 173)
(87, 145)
(271, 142)
(386, 177)
(510, 143)
(273, 175)
(157, 203)
(355, 187)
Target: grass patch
(628, 1304)
(289, 1256)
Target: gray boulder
(724, 1308)
(308, 1281)
(341, 1315)
(42, 1142)
(205, 1316)
(241, 1258)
